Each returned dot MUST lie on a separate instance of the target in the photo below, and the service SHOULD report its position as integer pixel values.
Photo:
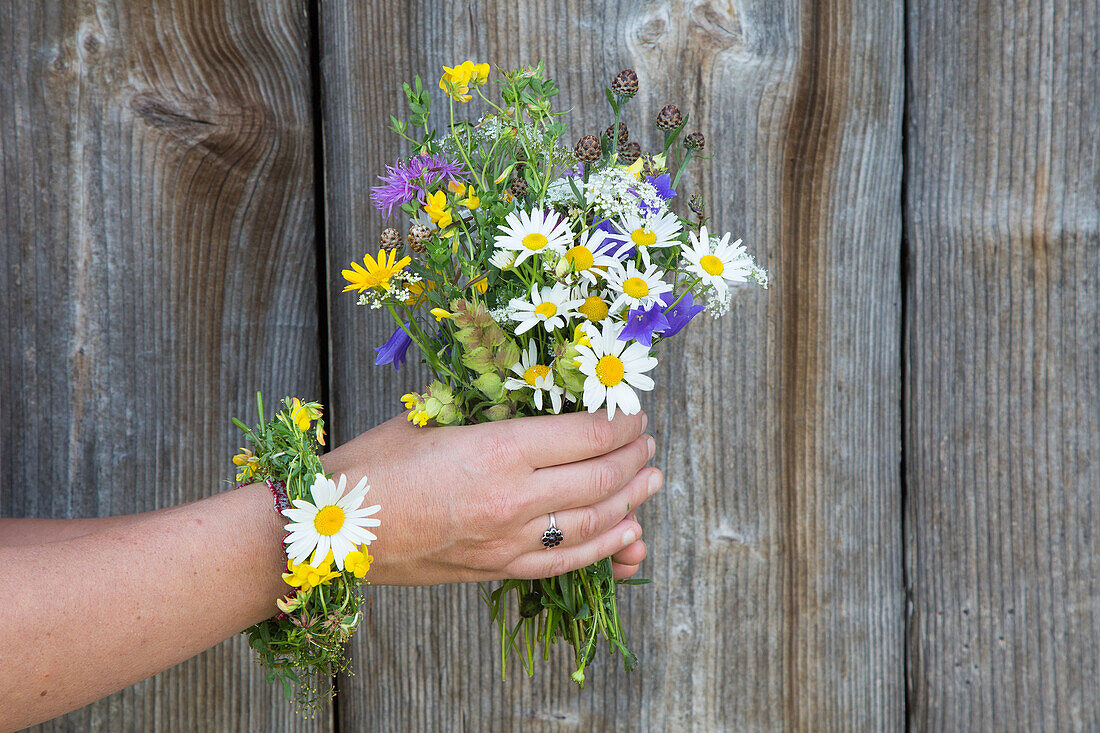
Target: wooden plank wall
(1003, 364)
(778, 429)
(158, 249)
(158, 171)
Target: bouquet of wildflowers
(535, 277)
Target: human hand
(470, 503)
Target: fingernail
(652, 445)
(654, 483)
(645, 421)
(629, 537)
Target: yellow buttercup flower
(306, 576)
(377, 273)
(358, 562)
(438, 210)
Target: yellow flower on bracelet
(299, 415)
(306, 576)
(358, 562)
(332, 523)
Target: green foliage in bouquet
(535, 277)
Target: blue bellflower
(679, 314)
(641, 324)
(393, 351)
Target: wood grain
(157, 229)
(1003, 365)
(776, 545)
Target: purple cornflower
(408, 180)
(679, 314)
(393, 351)
(641, 324)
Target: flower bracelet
(326, 546)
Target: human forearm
(16, 532)
(110, 608)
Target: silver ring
(552, 537)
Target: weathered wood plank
(1003, 365)
(157, 242)
(776, 545)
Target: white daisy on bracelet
(535, 376)
(330, 523)
(552, 306)
(612, 368)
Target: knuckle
(497, 508)
(600, 435)
(558, 565)
(588, 522)
(604, 477)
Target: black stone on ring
(552, 537)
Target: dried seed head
(588, 149)
(519, 188)
(624, 134)
(389, 239)
(629, 153)
(418, 238)
(695, 141)
(625, 83)
(670, 117)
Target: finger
(583, 483)
(622, 572)
(550, 440)
(558, 560)
(584, 523)
(632, 555)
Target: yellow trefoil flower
(377, 273)
(438, 210)
(470, 200)
(456, 81)
(248, 463)
(306, 576)
(358, 562)
(299, 415)
(440, 314)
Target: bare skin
(130, 596)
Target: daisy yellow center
(593, 308)
(636, 287)
(329, 520)
(610, 370)
(711, 265)
(535, 372)
(546, 310)
(534, 241)
(580, 258)
(643, 237)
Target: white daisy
(595, 302)
(330, 522)
(551, 306)
(536, 231)
(634, 288)
(535, 376)
(611, 368)
(646, 233)
(502, 259)
(718, 262)
(590, 256)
